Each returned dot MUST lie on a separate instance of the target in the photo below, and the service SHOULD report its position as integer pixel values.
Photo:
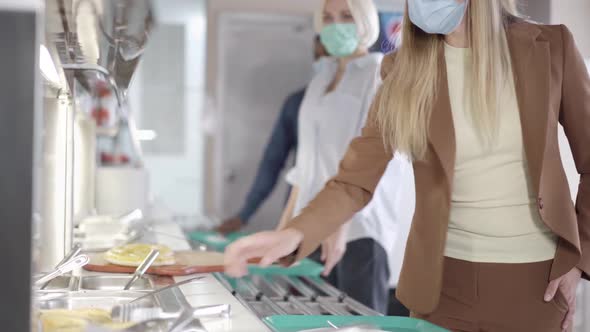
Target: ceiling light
(47, 66)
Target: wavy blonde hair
(409, 90)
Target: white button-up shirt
(327, 125)
(391, 211)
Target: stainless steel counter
(103, 291)
(210, 291)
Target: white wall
(537, 10)
(216, 7)
(177, 179)
(576, 15)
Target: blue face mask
(340, 40)
(437, 16)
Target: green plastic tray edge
(296, 323)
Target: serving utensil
(122, 312)
(143, 267)
(69, 266)
(73, 253)
(217, 311)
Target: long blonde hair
(409, 91)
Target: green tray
(215, 240)
(392, 324)
(305, 268)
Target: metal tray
(89, 300)
(114, 283)
(92, 300)
(172, 300)
(60, 284)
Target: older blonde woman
(333, 112)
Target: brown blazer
(553, 87)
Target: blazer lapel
(531, 66)
(442, 130)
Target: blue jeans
(363, 273)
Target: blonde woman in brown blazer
(496, 243)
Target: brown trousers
(479, 297)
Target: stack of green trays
(305, 268)
(390, 324)
(215, 240)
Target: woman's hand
(567, 285)
(270, 246)
(333, 249)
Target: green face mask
(340, 40)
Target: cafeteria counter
(210, 291)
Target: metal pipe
(274, 287)
(56, 201)
(326, 288)
(273, 306)
(226, 284)
(254, 292)
(332, 308)
(360, 308)
(302, 307)
(299, 286)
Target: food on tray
(64, 320)
(134, 254)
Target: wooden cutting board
(187, 262)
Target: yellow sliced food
(94, 315)
(118, 326)
(61, 323)
(134, 254)
(64, 320)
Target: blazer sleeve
(575, 118)
(352, 188)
